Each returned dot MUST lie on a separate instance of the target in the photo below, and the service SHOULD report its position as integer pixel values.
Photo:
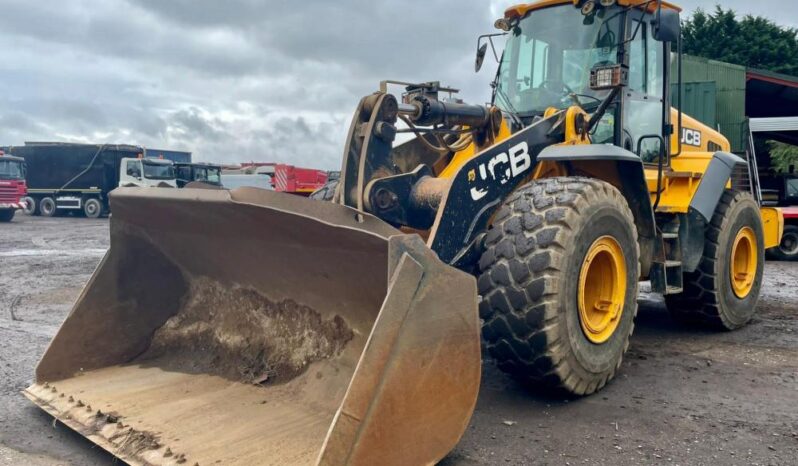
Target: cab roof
(520, 10)
(197, 164)
(11, 158)
(155, 161)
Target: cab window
(644, 96)
(133, 169)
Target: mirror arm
(602, 109)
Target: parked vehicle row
(50, 179)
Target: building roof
(783, 129)
(770, 94)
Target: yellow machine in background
(348, 332)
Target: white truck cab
(147, 172)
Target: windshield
(11, 170)
(214, 175)
(549, 55)
(158, 171)
(792, 187)
(183, 172)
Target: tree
(752, 41)
(783, 156)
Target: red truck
(284, 178)
(12, 186)
(296, 180)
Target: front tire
(31, 207)
(723, 292)
(559, 284)
(6, 215)
(47, 207)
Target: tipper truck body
(78, 177)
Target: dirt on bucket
(239, 334)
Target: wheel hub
(602, 289)
(743, 263)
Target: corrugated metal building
(714, 93)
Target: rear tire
(719, 294)
(6, 215)
(31, 207)
(533, 284)
(788, 249)
(47, 207)
(92, 208)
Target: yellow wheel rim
(743, 263)
(602, 289)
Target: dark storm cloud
(234, 79)
(229, 80)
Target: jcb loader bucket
(251, 327)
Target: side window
(132, 168)
(645, 64)
(655, 71)
(644, 103)
(637, 58)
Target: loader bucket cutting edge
(252, 327)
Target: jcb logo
(691, 137)
(501, 168)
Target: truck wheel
(559, 284)
(93, 208)
(788, 249)
(31, 207)
(47, 207)
(6, 215)
(722, 293)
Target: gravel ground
(682, 396)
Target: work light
(607, 77)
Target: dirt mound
(241, 335)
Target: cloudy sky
(235, 80)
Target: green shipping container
(699, 100)
(730, 82)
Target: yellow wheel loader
(252, 327)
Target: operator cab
(147, 172)
(11, 168)
(554, 59)
(202, 172)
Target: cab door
(645, 115)
(130, 173)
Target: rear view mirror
(481, 51)
(651, 149)
(666, 26)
